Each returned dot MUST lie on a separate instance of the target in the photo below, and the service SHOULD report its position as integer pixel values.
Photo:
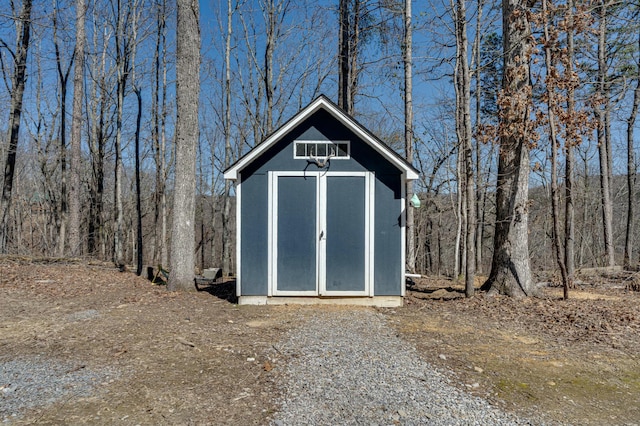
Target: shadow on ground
(225, 290)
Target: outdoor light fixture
(415, 201)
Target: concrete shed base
(379, 301)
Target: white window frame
(335, 157)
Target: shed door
(321, 242)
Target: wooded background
(89, 95)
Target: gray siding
(388, 236)
(254, 239)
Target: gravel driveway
(348, 367)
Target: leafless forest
(547, 102)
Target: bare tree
(63, 78)
(510, 268)
(601, 111)
(99, 124)
(343, 56)
(123, 51)
(274, 12)
(569, 161)
(550, 51)
(408, 128)
(187, 94)
(76, 132)
(463, 126)
(158, 134)
(23, 27)
(226, 209)
(350, 12)
(631, 167)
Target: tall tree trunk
(187, 135)
(478, 97)
(159, 116)
(601, 112)
(465, 153)
(569, 209)
(510, 268)
(155, 130)
(164, 252)
(76, 133)
(552, 104)
(354, 40)
(23, 27)
(344, 55)
(470, 231)
(139, 247)
(408, 131)
(122, 60)
(226, 209)
(268, 62)
(460, 210)
(63, 78)
(97, 108)
(631, 168)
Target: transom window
(313, 149)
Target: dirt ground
(198, 358)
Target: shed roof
(322, 102)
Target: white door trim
(321, 219)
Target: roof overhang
(323, 102)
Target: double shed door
(320, 233)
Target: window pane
(311, 149)
(300, 149)
(322, 149)
(332, 150)
(343, 148)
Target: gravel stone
(36, 382)
(350, 368)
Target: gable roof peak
(323, 102)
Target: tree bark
(63, 78)
(122, 66)
(569, 208)
(139, 243)
(603, 139)
(510, 268)
(23, 27)
(343, 56)
(552, 105)
(478, 97)
(408, 131)
(97, 141)
(631, 169)
(75, 165)
(268, 63)
(463, 125)
(226, 209)
(187, 135)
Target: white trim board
(238, 239)
(378, 301)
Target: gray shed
(321, 214)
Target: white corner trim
(403, 234)
(238, 239)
